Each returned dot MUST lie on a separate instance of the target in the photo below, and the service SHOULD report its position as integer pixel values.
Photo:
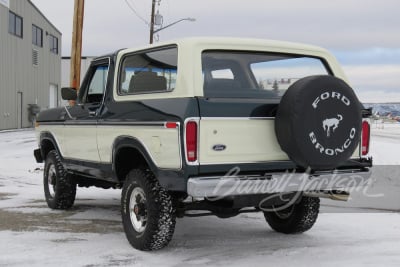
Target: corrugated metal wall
(18, 75)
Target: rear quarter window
(148, 72)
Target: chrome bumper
(220, 186)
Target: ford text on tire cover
(208, 126)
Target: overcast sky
(363, 35)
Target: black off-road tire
(60, 192)
(297, 218)
(157, 207)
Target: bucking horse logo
(331, 124)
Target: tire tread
(303, 218)
(65, 192)
(161, 221)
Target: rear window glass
(255, 74)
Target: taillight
(365, 138)
(191, 141)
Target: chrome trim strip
(246, 162)
(52, 123)
(237, 118)
(109, 123)
(214, 186)
(81, 123)
(131, 123)
(178, 125)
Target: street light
(171, 24)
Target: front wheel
(59, 187)
(296, 218)
(148, 214)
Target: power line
(136, 13)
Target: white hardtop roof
(190, 80)
(235, 43)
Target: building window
(15, 24)
(53, 44)
(37, 35)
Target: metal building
(30, 63)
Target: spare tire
(318, 122)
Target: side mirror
(69, 93)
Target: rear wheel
(296, 218)
(59, 187)
(148, 214)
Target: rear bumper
(233, 185)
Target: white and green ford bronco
(208, 126)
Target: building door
(53, 96)
(19, 110)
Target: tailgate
(234, 131)
(238, 140)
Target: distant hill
(384, 109)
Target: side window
(149, 71)
(97, 85)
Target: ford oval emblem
(219, 147)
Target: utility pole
(76, 48)
(153, 4)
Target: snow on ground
(336, 240)
(385, 143)
(384, 190)
(91, 234)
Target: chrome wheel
(51, 179)
(138, 210)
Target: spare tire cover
(318, 122)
